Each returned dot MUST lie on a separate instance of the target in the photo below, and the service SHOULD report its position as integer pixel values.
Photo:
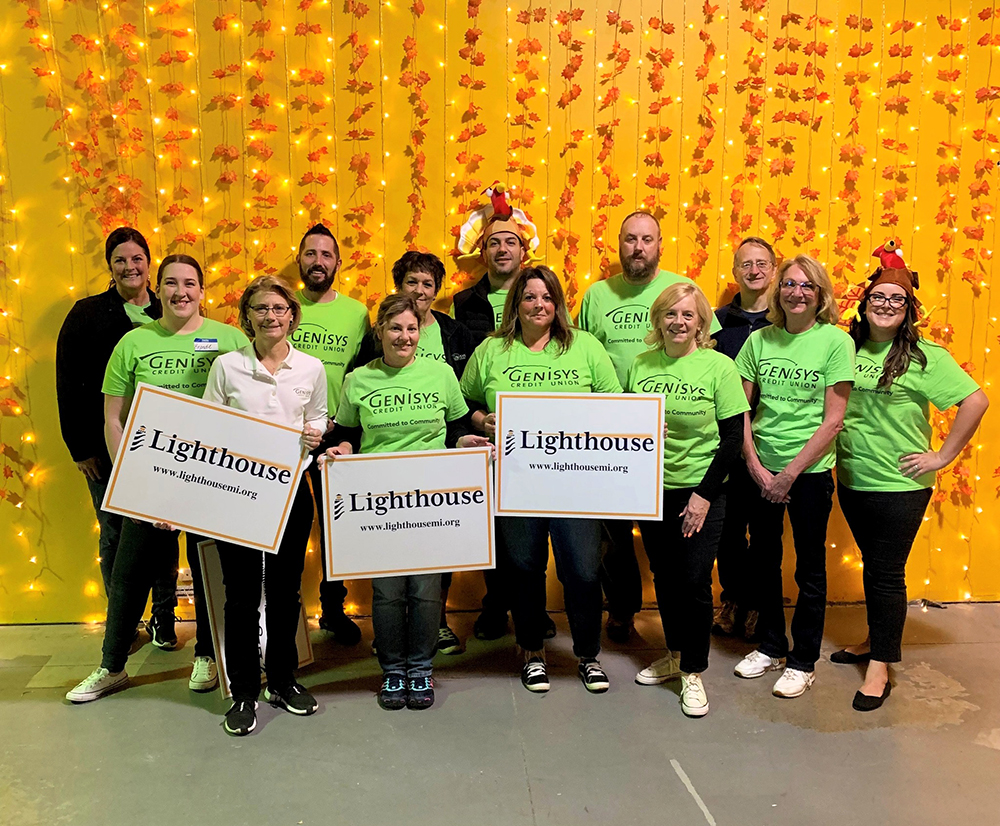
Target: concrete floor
(490, 753)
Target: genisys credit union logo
(670, 385)
(552, 443)
(787, 372)
(522, 376)
(629, 317)
(397, 399)
(178, 362)
(382, 503)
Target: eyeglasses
(897, 301)
(763, 266)
(261, 310)
(807, 287)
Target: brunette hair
(320, 229)
(392, 306)
(179, 258)
(905, 346)
(758, 242)
(667, 299)
(268, 284)
(123, 235)
(510, 327)
(415, 261)
(826, 304)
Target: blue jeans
(406, 615)
(576, 545)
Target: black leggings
(884, 525)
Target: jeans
(142, 552)
(244, 570)
(331, 594)
(811, 499)
(620, 573)
(742, 494)
(576, 545)
(884, 525)
(165, 581)
(497, 599)
(406, 614)
(682, 576)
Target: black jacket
(473, 309)
(456, 340)
(736, 327)
(89, 334)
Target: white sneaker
(793, 683)
(756, 664)
(666, 668)
(694, 700)
(204, 674)
(98, 684)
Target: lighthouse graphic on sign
(338, 507)
(138, 440)
(508, 443)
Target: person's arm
(834, 407)
(760, 474)
(115, 412)
(346, 436)
(970, 413)
(698, 504)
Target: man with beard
(753, 270)
(331, 329)
(616, 311)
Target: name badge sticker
(206, 345)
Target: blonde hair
(268, 284)
(826, 303)
(392, 306)
(670, 297)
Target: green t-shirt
(793, 372)
(884, 424)
(173, 361)
(617, 313)
(701, 389)
(497, 299)
(136, 314)
(401, 408)
(430, 345)
(332, 332)
(583, 368)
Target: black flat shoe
(863, 702)
(845, 657)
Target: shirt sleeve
(119, 378)
(730, 400)
(348, 413)
(583, 316)
(456, 406)
(746, 359)
(630, 377)
(604, 379)
(315, 408)
(946, 382)
(472, 380)
(215, 386)
(840, 362)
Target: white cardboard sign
(591, 456)
(398, 514)
(212, 470)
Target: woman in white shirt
(271, 379)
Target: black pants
(682, 576)
(497, 599)
(742, 494)
(811, 499)
(331, 594)
(243, 571)
(142, 553)
(884, 525)
(620, 573)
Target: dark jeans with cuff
(682, 576)
(245, 571)
(811, 499)
(576, 545)
(620, 573)
(884, 525)
(406, 614)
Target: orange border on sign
(333, 575)
(590, 396)
(159, 391)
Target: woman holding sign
(176, 353)
(801, 369)
(705, 406)
(271, 379)
(406, 610)
(885, 465)
(536, 333)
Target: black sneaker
(593, 676)
(161, 631)
(550, 628)
(241, 719)
(448, 641)
(534, 677)
(294, 699)
(490, 626)
(421, 693)
(392, 695)
(344, 630)
(619, 630)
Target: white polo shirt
(295, 395)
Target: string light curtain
(224, 129)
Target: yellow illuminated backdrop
(224, 129)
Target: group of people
(765, 396)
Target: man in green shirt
(332, 327)
(616, 311)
